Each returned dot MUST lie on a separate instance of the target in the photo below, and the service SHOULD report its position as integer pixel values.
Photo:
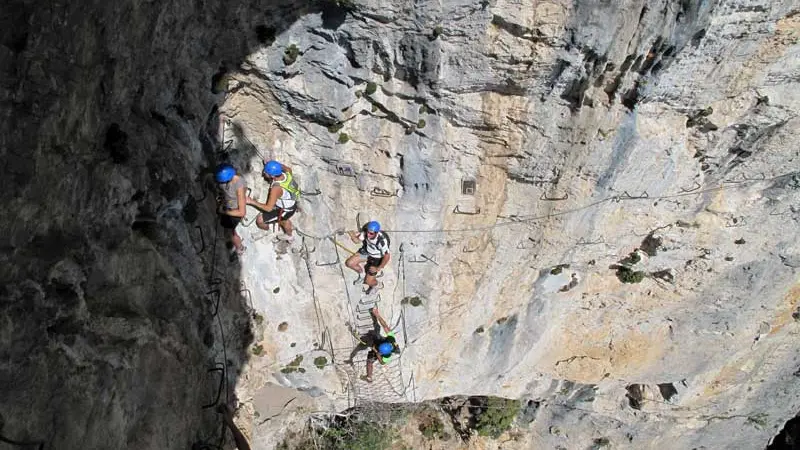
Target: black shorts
(229, 222)
(272, 216)
(372, 262)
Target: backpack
(388, 240)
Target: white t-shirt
(374, 248)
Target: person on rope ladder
(281, 202)
(374, 252)
(380, 347)
(231, 203)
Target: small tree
(496, 417)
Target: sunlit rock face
(593, 207)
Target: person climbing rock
(374, 252)
(380, 347)
(238, 437)
(282, 200)
(231, 204)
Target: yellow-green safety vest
(289, 185)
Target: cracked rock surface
(593, 207)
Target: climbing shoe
(373, 289)
(366, 378)
(286, 238)
(236, 253)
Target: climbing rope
(326, 334)
(223, 366)
(625, 196)
(238, 131)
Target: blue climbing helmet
(373, 227)
(385, 348)
(224, 173)
(273, 168)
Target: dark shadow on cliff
(112, 263)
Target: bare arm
(385, 260)
(354, 237)
(274, 195)
(286, 168)
(380, 320)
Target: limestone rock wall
(590, 132)
(106, 331)
(517, 152)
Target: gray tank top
(229, 191)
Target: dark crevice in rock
(111, 120)
(575, 91)
(789, 436)
(612, 87)
(641, 15)
(517, 30)
(558, 69)
(420, 61)
(667, 390)
(334, 14)
(747, 139)
(634, 395)
(349, 53)
(637, 63)
(698, 37)
(116, 144)
(651, 244)
(265, 34)
(631, 98)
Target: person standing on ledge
(380, 347)
(232, 203)
(282, 200)
(374, 251)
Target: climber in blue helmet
(231, 203)
(381, 348)
(374, 254)
(282, 199)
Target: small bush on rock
(290, 54)
(627, 275)
(496, 417)
(360, 436)
(431, 427)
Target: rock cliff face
(593, 207)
